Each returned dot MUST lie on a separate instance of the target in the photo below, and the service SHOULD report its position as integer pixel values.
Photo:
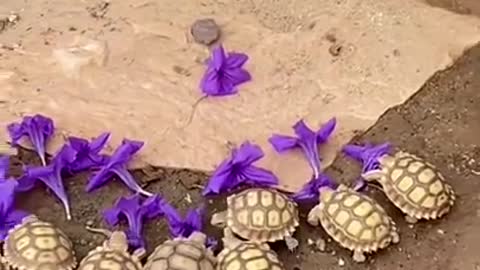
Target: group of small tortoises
(259, 216)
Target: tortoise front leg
(314, 215)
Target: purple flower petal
(239, 169)
(310, 191)
(13, 218)
(51, 176)
(88, 153)
(7, 197)
(38, 129)
(236, 76)
(182, 227)
(307, 140)
(236, 60)
(136, 212)
(224, 73)
(117, 165)
(4, 164)
(368, 155)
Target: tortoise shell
(262, 215)
(35, 244)
(180, 254)
(355, 221)
(106, 258)
(415, 186)
(248, 256)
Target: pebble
(341, 262)
(320, 244)
(205, 31)
(89, 222)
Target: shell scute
(248, 256)
(181, 254)
(262, 215)
(35, 244)
(415, 186)
(356, 221)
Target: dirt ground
(441, 123)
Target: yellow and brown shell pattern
(262, 215)
(248, 256)
(354, 220)
(104, 258)
(415, 186)
(181, 254)
(35, 244)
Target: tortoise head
(326, 193)
(118, 241)
(198, 237)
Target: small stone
(320, 244)
(89, 223)
(341, 262)
(205, 31)
(310, 242)
(440, 231)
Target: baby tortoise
(182, 254)
(113, 254)
(415, 186)
(36, 245)
(246, 255)
(354, 220)
(260, 215)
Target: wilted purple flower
(307, 140)
(9, 217)
(368, 155)
(136, 213)
(51, 176)
(310, 191)
(224, 73)
(238, 169)
(184, 227)
(117, 165)
(88, 153)
(38, 129)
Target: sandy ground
(440, 123)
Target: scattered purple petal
(307, 140)
(238, 169)
(117, 165)
(182, 227)
(9, 217)
(88, 153)
(38, 129)
(310, 191)
(224, 73)
(51, 176)
(136, 213)
(368, 155)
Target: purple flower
(38, 129)
(88, 153)
(184, 227)
(368, 155)
(310, 191)
(224, 73)
(307, 140)
(136, 212)
(51, 176)
(117, 165)
(9, 217)
(238, 169)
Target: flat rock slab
(132, 68)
